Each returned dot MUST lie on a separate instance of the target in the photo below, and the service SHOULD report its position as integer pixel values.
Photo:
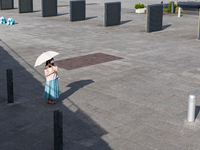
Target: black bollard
(112, 13)
(49, 8)
(198, 34)
(25, 6)
(77, 10)
(6, 4)
(58, 130)
(154, 19)
(9, 74)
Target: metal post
(172, 8)
(179, 12)
(191, 108)
(58, 130)
(9, 74)
(198, 34)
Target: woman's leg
(55, 90)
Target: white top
(53, 75)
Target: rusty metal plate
(87, 60)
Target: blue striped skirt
(51, 89)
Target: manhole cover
(87, 60)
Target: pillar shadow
(36, 11)
(126, 21)
(88, 18)
(197, 109)
(62, 14)
(166, 26)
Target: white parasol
(44, 57)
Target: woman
(51, 88)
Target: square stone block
(112, 13)
(154, 17)
(77, 10)
(49, 8)
(25, 6)
(6, 4)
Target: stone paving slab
(138, 102)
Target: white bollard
(179, 12)
(191, 108)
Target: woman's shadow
(75, 86)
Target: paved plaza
(137, 102)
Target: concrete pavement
(138, 102)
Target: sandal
(50, 102)
(54, 102)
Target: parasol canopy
(44, 57)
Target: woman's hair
(49, 62)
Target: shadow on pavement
(166, 26)
(124, 22)
(28, 122)
(37, 11)
(197, 109)
(75, 86)
(88, 18)
(62, 14)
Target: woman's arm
(55, 68)
(49, 73)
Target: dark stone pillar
(49, 8)
(198, 34)
(10, 95)
(154, 17)
(25, 6)
(58, 130)
(112, 13)
(77, 10)
(6, 4)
